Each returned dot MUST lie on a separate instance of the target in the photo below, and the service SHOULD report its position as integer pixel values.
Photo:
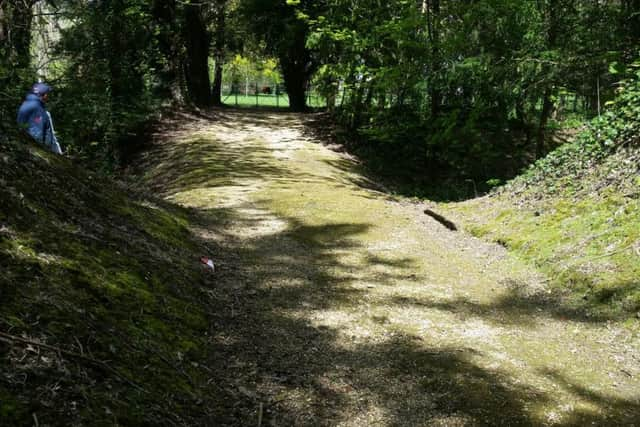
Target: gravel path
(348, 306)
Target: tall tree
(432, 9)
(15, 26)
(197, 40)
(220, 10)
(170, 62)
(283, 28)
(297, 67)
(551, 12)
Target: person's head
(41, 90)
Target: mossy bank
(103, 303)
(576, 217)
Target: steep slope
(576, 212)
(103, 303)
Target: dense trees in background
(107, 78)
(115, 63)
(433, 88)
(469, 88)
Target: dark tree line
(117, 61)
(15, 40)
(114, 64)
(471, 88)
(466, 88)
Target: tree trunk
(363, 107)
(296, 69)
(165, 14)
(547, 108)
(197, 59)
(344, 94)
(547, 104)
(357, 107)
(330, 92)
(435, 91)
(216, 95)
(432, 11)
(295, 80)
(18, 31)
(219, 51)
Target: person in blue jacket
(35, 120)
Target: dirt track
(348, 306)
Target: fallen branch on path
(442, 220)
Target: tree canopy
(469, 89)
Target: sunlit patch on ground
(351, 307)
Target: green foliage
(242, 69)
(456, 90)
(575, 212)
(618, 127)
(110, 54)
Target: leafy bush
(618, 127)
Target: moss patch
(584, 234)
(96, 272)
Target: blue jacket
(36, 121)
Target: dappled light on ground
(339, 305)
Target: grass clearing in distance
(263, 100)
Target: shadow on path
(280, 346)
(271, 344)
